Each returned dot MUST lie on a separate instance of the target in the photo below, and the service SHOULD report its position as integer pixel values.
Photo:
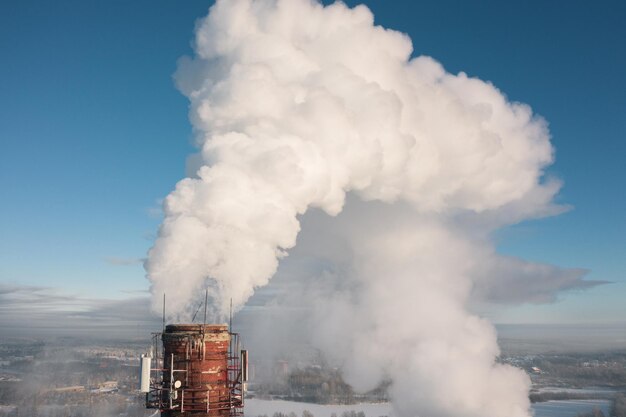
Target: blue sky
(93, 132)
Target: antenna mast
(230, 324)
(206, 300)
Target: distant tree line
(607, 369)
(319, 385)
(538, 397)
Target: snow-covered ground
(254, 408)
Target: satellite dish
(177, 384)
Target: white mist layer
(295, 105)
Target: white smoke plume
(295, 105)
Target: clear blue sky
(93, 132)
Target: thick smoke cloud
(295, 106)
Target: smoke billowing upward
(295, 106)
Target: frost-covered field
(256, 408)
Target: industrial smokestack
(200, 372)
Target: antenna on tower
(193, 318)
(230, 324)
(206, 300)
(163, 312)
